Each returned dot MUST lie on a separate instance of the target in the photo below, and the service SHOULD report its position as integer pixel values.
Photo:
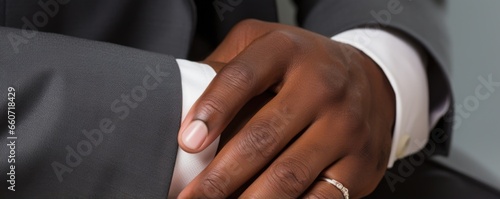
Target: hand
(331, 115)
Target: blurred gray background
(474, 28)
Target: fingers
(254, 146)
(297, 167)
(322, 145)
(247, 75)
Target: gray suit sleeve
(92, 119)
(421, 21)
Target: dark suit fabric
(65, 86)
(87, 55)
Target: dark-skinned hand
(331, 115)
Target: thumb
(244, 77)
(210, 114)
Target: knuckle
(211, 105)
(215, 185)
(329, 85)
(285, 39)
(290, 176)
(263, 137)
(354, 121)
(338, 86)
(238, 76)
(334, 85)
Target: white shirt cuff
(195, 78)
(405, 71)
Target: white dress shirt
(195, 78)
(398, 59)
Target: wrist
(384, 99)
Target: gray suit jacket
(97, 90)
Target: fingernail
(195, 134)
